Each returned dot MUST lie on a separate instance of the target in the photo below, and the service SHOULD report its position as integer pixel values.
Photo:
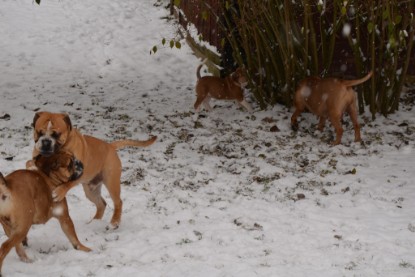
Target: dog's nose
(46, 144)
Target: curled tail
(119, 144)
(350, 83)
(199, 67)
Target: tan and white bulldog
(26, 199)
(54, 132)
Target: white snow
(221, 197)
(346, 30)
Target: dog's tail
(199, 67)
(350, 83)
(119, 144)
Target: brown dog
(328, 98)
(54, 132)
(26, 199)
(229, 88)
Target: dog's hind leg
(93, 193)
(112, 181)
(321, 123)
(206, 104)
(336, 122)
(22, 253)
(352, 111)
(198, 102)
(14, 240)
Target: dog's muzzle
(46, 147)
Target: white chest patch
(305, 91)
(57, 210)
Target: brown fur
(328, 98)
(100, 160)
(228, 88)
(26, 199)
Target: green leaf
(154, 49)
(163, 41)
(222, 42)
(205, 15)
(370, 27)
(227, 5)
(398, 19)
(178, 45)
(177, 3)
(344, 10)
(392, 42)
(385, 14)
(171, 43)
(37, 1)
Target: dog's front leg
(246, 105)
(68, 227)
(60, 192)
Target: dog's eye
(55, 165)
(55, 135)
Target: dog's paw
(294, 127)
(83, 248)
(58, 194)
(30, 165)
(26, 260)
(112, 226)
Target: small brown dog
(328, 98)
(53, 132)
(26, 199)
(229, 88)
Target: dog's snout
(46, 147)
(46, 144)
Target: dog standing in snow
(26, 199)
(228, 88)
(328, 98)
(54, 132)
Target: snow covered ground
(230, 195)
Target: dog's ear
(4, 190)
(2, 180)
(235, 75)
(78, 168)
(37, 115)
(67, 121)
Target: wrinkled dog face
(61, 167)
(50, 132)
